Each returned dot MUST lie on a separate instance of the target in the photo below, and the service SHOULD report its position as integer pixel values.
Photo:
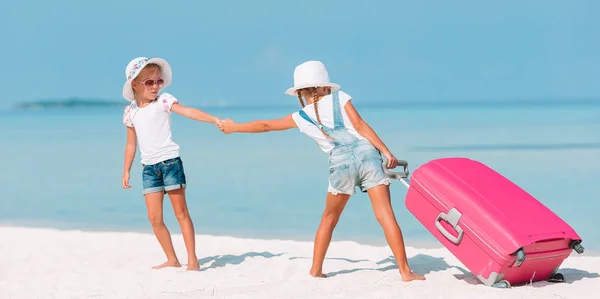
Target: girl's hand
(125, 181)
(219, 123)
(227, 126)
(392, 162)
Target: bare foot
(193, 266)
(317, 273)
(406, 277)
(167, 264)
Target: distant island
(68, 104)
(77, 102)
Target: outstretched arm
(195, 114)
(172, 104)
(366, 131)
(259, 126)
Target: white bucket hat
(311, 74)
(135, 66)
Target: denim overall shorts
(352, 161)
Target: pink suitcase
(501, 233)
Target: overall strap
(308, 119)
(338, 120)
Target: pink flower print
(168, 100)
(126, 117)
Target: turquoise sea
(62, 168)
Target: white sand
(44, 263)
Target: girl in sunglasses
(148, 122)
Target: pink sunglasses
(150, 83)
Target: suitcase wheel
(576, 245)
(520, 257)
(556, 277)
(502, 284)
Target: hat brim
(167, 75)
(292, 90)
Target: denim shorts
(163, 176)
(358, 164)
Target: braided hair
(315, 99)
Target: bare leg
(187, 226)
(334, 206)
(154, 204)
(380, 200)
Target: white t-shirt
(153, 129)
(326, 116)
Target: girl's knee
(330, 218)
(182, 214)
(155, 219)
(384, 215)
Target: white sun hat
(135, 66)
(311, 74)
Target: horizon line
(539, 101)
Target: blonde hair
(315, 105)
(148, 70)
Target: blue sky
(245, 51)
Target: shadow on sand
(425, 264)
(570, 275)
(332, 258)
(218, 261)
(421, 264)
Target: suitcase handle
(452, 218)
(397, 175)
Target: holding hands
(226, 126)
(218, 122)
